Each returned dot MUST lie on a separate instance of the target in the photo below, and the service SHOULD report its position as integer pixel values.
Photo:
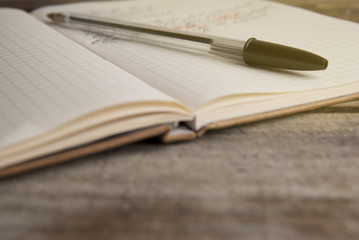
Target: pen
(252, 51)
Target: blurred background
(347, 9)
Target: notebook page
(47, 79)
(195, 79)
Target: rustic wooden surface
(294, 177)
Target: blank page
(47, 79)
(196, 80)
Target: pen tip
(56, 17)
(51, 16)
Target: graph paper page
(47, 79)
(196, 80)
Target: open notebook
(67, 93)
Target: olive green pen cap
(269, 54)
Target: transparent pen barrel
(223, 47)
(113, 34)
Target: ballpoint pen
(251, 51)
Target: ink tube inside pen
(152, 39)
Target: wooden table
(293, 177)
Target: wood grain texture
(293, 177)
